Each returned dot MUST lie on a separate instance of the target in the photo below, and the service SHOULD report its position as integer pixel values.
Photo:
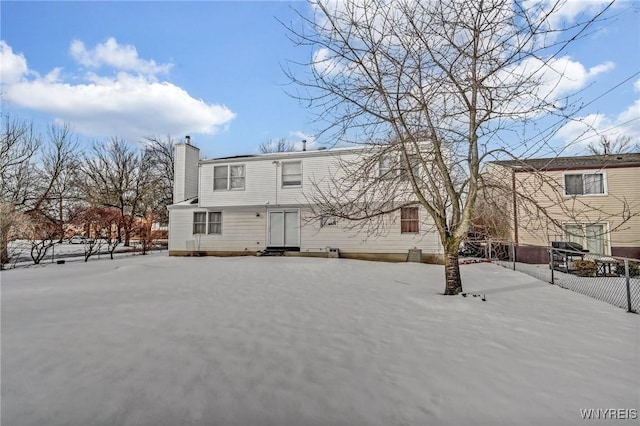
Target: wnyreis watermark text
(609, 413)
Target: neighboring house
(247, 204)
(591, 200)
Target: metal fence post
(513, 254)
(489, 249)
(628, 279)
(551, 263)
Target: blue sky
(213, 70)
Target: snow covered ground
(154, 340)
(612, 290)
(19, 251)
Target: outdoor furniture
(607, 266)
(564, 253)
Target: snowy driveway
(152, 340)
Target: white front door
(284, 228)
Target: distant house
(252, 203)
(590, 200)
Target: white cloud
(325, 63)
(569, 10)
(636, 85)
(589, 129)
(111, 54)
(12, 67)
(558, 77)
(296, 137)
(125, 105)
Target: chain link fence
(611, 279)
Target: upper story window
(584, 184)
(228, 177)
(411, 167)
(409, 220)
(386, 167)
(291, 173)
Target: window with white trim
(291, 173)
(215, 223)
(236, 177)
(199, 222)
(228, 177)
(386, 167)
(584, 183)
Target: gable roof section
(573, 163)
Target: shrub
(585, 268)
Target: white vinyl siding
(291, 173)
(347, 239)
(243, 230)
(263, 181)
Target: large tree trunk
(4, 251)
(61, 220)
(453, 282)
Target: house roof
(573, 163)
(190, 202)
(284, 155)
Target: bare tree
(18, 144)
(115, 176)
(41, 233)
(158, 157)
(108, 218)
(281, 145)
(146, 233)
(57, 172)
(620, 145)
(432, 89)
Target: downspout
(277, 163)
(515, 206)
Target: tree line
(112, 188)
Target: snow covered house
(254, 203)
